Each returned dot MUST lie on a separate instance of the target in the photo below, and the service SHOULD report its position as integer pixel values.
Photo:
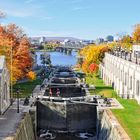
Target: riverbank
(129, 117)
(44, 50)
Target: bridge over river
(68, 47)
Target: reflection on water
(58, 58)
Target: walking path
(11, 119)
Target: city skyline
(82, 19)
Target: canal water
(58, 58)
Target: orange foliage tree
(93, 68)
(85, 66)
(15, 46)
(31, 75)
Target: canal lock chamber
(63, 110)
(67, 118)
(74, 114)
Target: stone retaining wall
(110, 129)
(24, 130)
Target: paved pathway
(10, 120)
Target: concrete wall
(24, 131)
(123, 74)
(66, 116)
(4, 86)
(110, 129)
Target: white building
(123, 75)
(4, 86)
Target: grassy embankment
(129, 117)
(26, 88)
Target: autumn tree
(126, 41)
(136, 34)
(93, 68)
(85, 66)
(2, 14)
(15, 45)
(31, 75)
(92, 54)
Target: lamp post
(125, 53)
(130, 55)
(122, 52)
(118, 50)
(18, 91)
(115, 51)
(11, 75)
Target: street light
(115, 51)
(118, 50)
(122, 50)
(130, 55)
(11, 75)
(18, 91)
(125, 53)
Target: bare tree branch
(2, 14)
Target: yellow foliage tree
(92, 54)
(136, 34)
(126, 42)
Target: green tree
(126, 41)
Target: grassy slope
(129, 117)
(26, 87)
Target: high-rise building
(99, 40)
(109, 38)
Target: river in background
(58, 58)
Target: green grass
(129, 117)
(26, 88)
(101, 88)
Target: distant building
(99, 40)
(4, 86)
(109, 38)
(42, 40)
(35, 40)
(86, 42)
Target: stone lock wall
(110, 129)
(24, 130)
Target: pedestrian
(58, 92)
(50, 92)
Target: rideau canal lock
(61, 108)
